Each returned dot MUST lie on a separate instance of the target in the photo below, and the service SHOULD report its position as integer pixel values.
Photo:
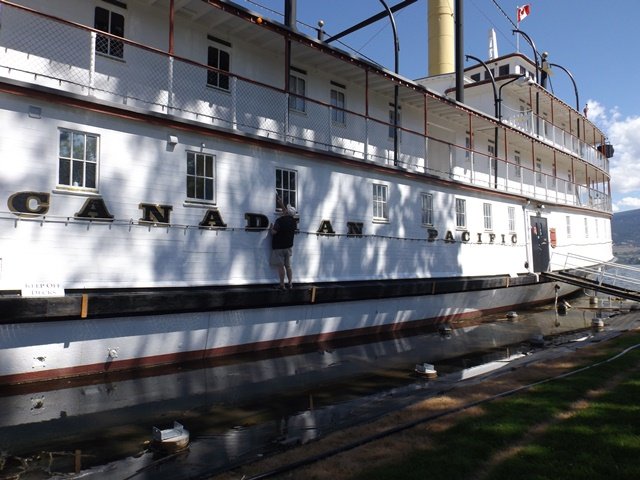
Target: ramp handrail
(601, 270)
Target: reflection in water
(241, 408)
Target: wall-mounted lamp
(172, 140)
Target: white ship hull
(137, 186)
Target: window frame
(380, 203)
(73, 161)
(427, 209)
(297, 98)
(114, 25)
(201, 177)
(284, 188)
(461, 212)
(338, 99)
(216, 79)
(511, 219)
(487, 214)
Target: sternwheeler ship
(145, 141)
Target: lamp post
(500, 93)
(496, 114)
(535, 55)
(575, 90)
(396, 46)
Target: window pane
(191, 163)
(117, 24)
(78, 174)
(64, 172)
(101, 20)
(90, 180)
(208, 187)
(199, 165)
(191, 187)
(65, 144)
(78, 146)
(209, 166)
(92, 148)
(199, 187)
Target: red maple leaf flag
(523, 12)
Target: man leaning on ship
(282, 233)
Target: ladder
(607, 277)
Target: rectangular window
(78, 159)
(475, 77)
(586, 227)
(488, 221)
(427, 209)
(337, 107)
(380, 207)
(392, 124)
(538, 171)
(287, 187)
(461, 212)
(597, 229)
(200, 176)
(220, 60)
(503, 70)
(516, 159)
(297, 93)
(491, 148)
(568, 226)
(113, 23)
(511, 213)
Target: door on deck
(539, 244)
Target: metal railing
(63, 56)
(603, 273)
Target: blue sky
(595, 40)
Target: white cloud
(627, 203)
(625, 164)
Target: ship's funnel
(441, 37)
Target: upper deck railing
(39, 49)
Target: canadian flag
(523, 12)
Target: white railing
(62, 56)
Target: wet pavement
(241, 409)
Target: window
(467, 144)
(338, 114)
(511, 214)
(286, 186)
(503, 70)
(488, 222)
(461, 212)
(489, 74)
(297, 90)
(380, 207)
(113, 23)
(78, 159)
(427, 209)
(586, 227)
(516, 159)
(538, 170)
(491, 148)
(392, 123)
(219, 59)
(568, 226)
(475, 77)
(200, 176)
(597, 229)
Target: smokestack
(290, 13)
(441, 37)
(493, 45)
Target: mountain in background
(625, 228)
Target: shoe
(289, 286)
(282, 288)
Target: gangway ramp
(611, 278)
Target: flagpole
(517, 36)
